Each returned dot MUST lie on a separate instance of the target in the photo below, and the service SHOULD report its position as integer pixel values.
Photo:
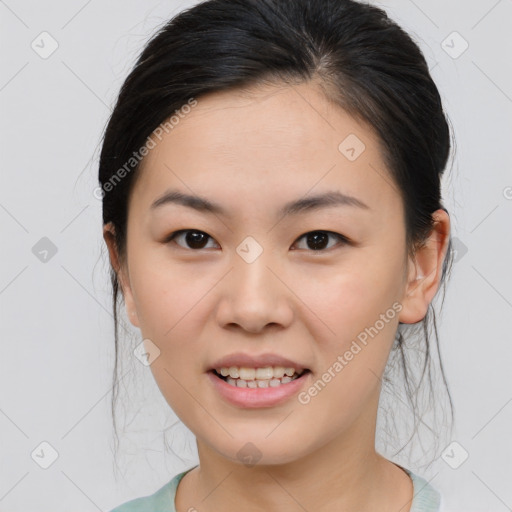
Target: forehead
(269, 144)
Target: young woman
(271, 202)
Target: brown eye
(319, 240)
(194, 239)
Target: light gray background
(56, 323)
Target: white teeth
(278, 372)
(268, 376)
(266, 373)
(259, 383)
(247, 373)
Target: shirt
(426, 498)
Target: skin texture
(252, 151)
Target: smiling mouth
(255, 382)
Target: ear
(425, 271)
(121, 272)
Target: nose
(254, 296)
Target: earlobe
(425, 271)
(416, 299)
(124, 282)
(131, 310)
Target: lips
(240, 359)
(259, 396)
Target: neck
(344, 474)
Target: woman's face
(249, 279)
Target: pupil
(193, 239)
(319, 240)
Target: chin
(250, 451)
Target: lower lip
(258, 397)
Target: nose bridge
(253, 255)
(251, 271)
(252, 279)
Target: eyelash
(343, 239)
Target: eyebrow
(204, 205)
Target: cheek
(167, 295)
(358, 305)
(355, 310)
(347, 298)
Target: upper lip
(240, 359)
